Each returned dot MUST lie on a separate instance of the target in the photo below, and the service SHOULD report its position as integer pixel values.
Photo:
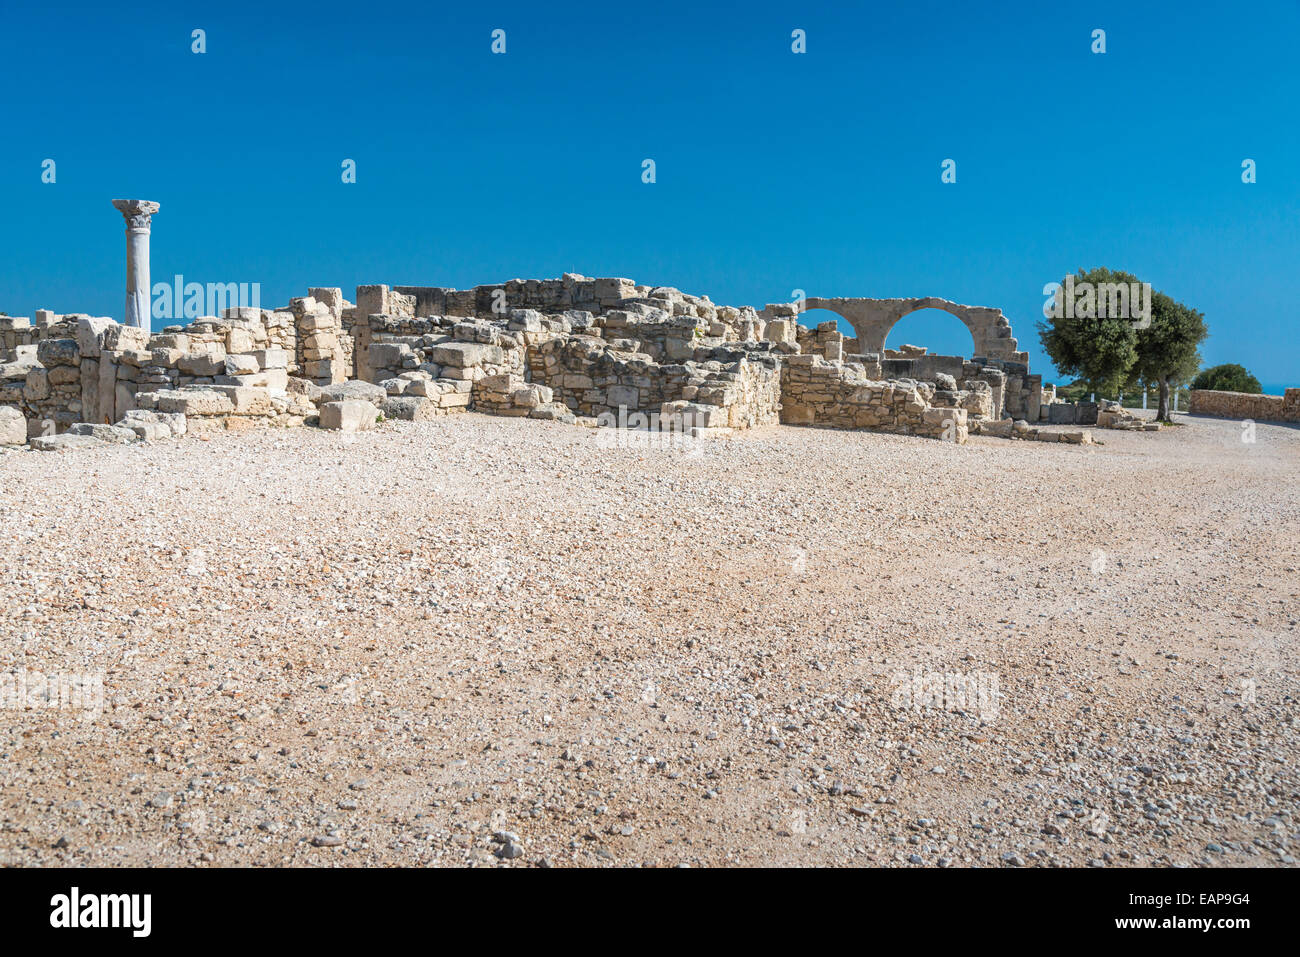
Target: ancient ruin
(1243, 405)
(576, 350)
(138, 214)
(569, 349)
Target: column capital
(136, 212)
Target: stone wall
(323, 347)
(91, 370)
(444, 347)
(840, 395)
(1242, 405)
(230, 408)
(565, 349)
(591, 376)
(587, 365)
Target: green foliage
(1228, 377)
(1167, 348)
(1076, 391)
(1109, 352)
(1100, 348)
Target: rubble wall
(840, 395)
(1242, 405)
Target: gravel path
(496, 641)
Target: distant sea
(1274, 388)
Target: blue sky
(775, 171)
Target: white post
(138, 214)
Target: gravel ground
(497, 641)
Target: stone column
(138, 213)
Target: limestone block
(37, 386)
(242, 313)
(271, 358)
(190, 402)
(531, 396)
(620, 396)
(65, 375)
(453, 400)
(13, 426)
(54, 352)
(1001, 428)
(330, 297)
(694, 415)
(119, 338)
(944, 418)
(124, 396)
(410, 408)
(793, 413)
(323, 369)
(245, 400)
(353, 389)
(464, 355)
(107, 389)
(274, 379)
(349, 415)
(316, 322)
(90, 410)
(90, 335)
(62, 443)
(105, 433)
(151, 426)
(241, 365)
(613, 289)
(372, 300)
(170, 340)
(202, 365)
(240, 340)
(389, 355)
(422, 387)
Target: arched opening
(940, 332)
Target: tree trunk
(1162, 414)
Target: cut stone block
(64, 442)
(353, 389)
(271, 358)
(105, 433)
(241, 365)
(151, 426)
(464, 355)
(195, 402)
(13, 426)
(349, 415)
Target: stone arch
(872, 319)
(953, 343)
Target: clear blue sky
(775, 171)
